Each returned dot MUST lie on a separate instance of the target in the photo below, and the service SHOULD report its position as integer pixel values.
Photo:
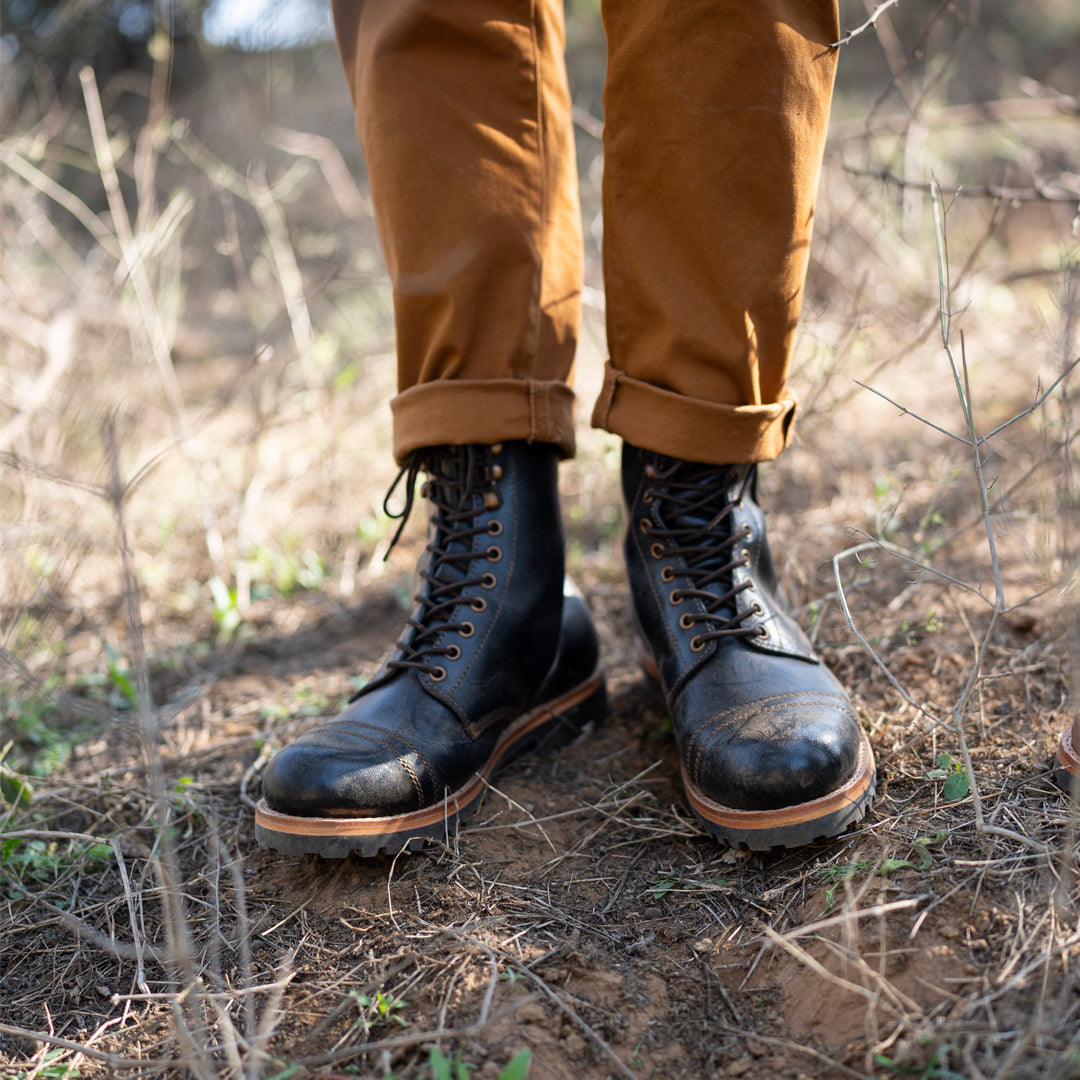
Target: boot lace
(692, 519)
(461, 485)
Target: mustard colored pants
(715, 113)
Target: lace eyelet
(437, 674)
(478, 603)
(748, 532)
(453, 653)
(645, 525)
(493, 554)
(648, 496)
(657, 551)
(686, 621)
(495, 528)
(467, 629)
(675, 597)
(696, 644)
(757, 609)
(667, 575)
(488, 581)
(746, 556)
(762, 632)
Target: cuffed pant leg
(715, 119)
(463, 114)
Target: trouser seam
(541, 162)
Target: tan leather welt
(451, 805)
(850, 793)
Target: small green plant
(378, 1009)
(287, 1073)
(932, 1070)
(836, 875)
(50, 1068)
(957, 783)
(227, 613)
(122, 693)
(442, 1068)
(665, 885)
(41, 862)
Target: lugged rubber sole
(1068, 762)
(789, 826)
(547, 726)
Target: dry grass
(193, 425)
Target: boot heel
(568, 724)
(649, 670)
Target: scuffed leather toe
(780, 751)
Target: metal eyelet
(748, 532)
(453, 653)
(696, 644)
(746, 556)
(757, 609)
(495, 528)
(657, 551)
(675, 597)
(437, 674)
(762, 632)
(648, 496)
(479, 603)
(686, 621)
(467, 629)
(494, 554)
(488, 581)
(645, 525)
(667, 575)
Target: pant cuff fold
(655, 419)
(483, 411)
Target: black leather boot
(494, 660)
(772, 752)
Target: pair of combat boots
(499, 656)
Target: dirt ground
(582, 914)
(192, 562)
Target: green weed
(957, 783)
(442, 1068)
(379, 1009)
(932, 1070)
(675, 883)
(226, 608)
(50, 1068)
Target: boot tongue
(697, 503)
(455, 487)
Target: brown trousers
(715, 121)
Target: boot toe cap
(315, 778)
(777, 753)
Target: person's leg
(464, 116)
(715, 120)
